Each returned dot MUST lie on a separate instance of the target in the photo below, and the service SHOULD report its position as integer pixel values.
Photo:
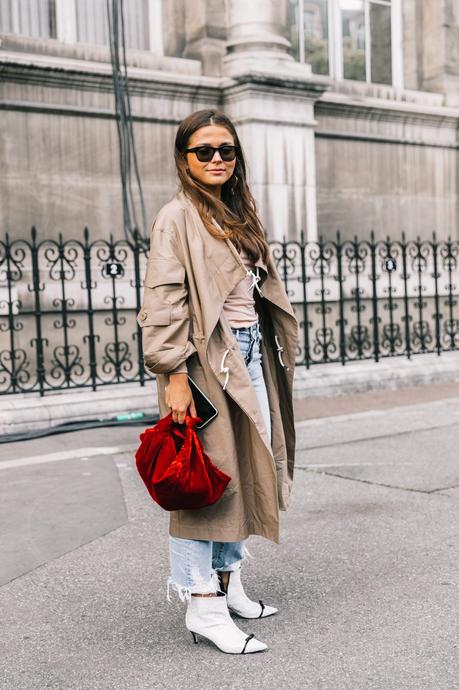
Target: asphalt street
(366, 576)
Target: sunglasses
(204, 154)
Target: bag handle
(189, 420)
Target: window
(381, 44)
(353, 39)
(35, 18)
(92, 24)
(83, 21)
(349, 39)
(316, 35)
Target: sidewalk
(22, 412)
(365, 576)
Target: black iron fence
(68, 308)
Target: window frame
(335, 40)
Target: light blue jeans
(194, 563)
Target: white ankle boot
(239, 602)
(209, 617)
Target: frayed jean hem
(184, 593)
(200, 584)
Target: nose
(216, 157)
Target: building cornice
(365, 107)
(66, 73)
(358, 101)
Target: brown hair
(236, 211)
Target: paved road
(366, 576)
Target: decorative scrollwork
(421, 334)
(362, 298)
(67, 363)
(111, 251)
(285, 258)
(391, 337)
(449, 253)
(116, 303)
(65, 321)
(359, 339)
(321, 257)
(393, 305)
(14, 368)
(389, 250)
(323, 343)
(11, 322)
(450, 336)
(419, 253)
(12, 258)
(61, 258)
(323, 308)
(356, 255)
(117, 359)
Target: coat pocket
(158, 317)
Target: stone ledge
(39, 50)
(23, 412)
(327, 380)
(27, 411)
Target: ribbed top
(239, 307)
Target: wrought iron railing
(68, 307)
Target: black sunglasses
(206, 153)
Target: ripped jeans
(194, 563)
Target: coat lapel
(223, 266)
(225, 269)
(218, 253)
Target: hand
(179, 397)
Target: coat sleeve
(164, 318)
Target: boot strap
(262, 608)
(247, 641)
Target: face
(215, 172)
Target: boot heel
(194, 637)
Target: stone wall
(59, 137)
(386, 165)
(321, 154)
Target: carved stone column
(440, 48)
(205, 34)
(270, 97)
(257, 36)
(275, 121)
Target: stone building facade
(348, 110)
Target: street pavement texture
(366, 576)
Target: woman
(215, 309)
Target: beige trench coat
(188, 277)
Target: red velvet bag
(174, 467)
